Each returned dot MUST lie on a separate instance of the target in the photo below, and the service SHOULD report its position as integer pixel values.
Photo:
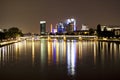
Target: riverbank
(109, 40)
(8, 42)
(101, 40)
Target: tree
(6, 34)
(14, 32)
(105, 29)
(91, 31)
(99, 30)
(5, 30)
(1, 36)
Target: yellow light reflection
(51, 27)
(16, 48)
(80, 38)
(6, 55)
(61, 51)
(49, 38)
(8, 52)
(0, 55)
(33, 52)
(3, 55)
(95, 52)
(111, 49)
(57, 52)
(52, 50)
(49, 53)
(64, 38)
(25, 46)
(64, 55)
(80, 51)
(103, 53)
(115, 51)
(44, 51)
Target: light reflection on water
(33, 52)
(71, 57)
(70, 54)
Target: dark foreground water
(60, 60)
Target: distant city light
(41, 22)
(42, 27)
(51, 26)
(84, 27)
(68, 21)
(72, 19)
(73, 22)
(54, 30)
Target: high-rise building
(51, 28)
(42, 27)
(71, 25)
(60, 28)
(84, 27)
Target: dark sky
(26, 14)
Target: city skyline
(26, 15)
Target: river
(60, 60)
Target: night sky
(26, 14)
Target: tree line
(11, 33)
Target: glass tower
(42, 27)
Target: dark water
(60, 60)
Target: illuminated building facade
(71, 25)
(42, 27)
(68, 26)
(51, 28)
(1, 30)
(54, 31)
(109, 28)
(114, 29)
(84, 27)
(60, 28)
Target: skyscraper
(84, 27)
(42, 27)
(51, 28)
(60, 28)
(71, 25)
